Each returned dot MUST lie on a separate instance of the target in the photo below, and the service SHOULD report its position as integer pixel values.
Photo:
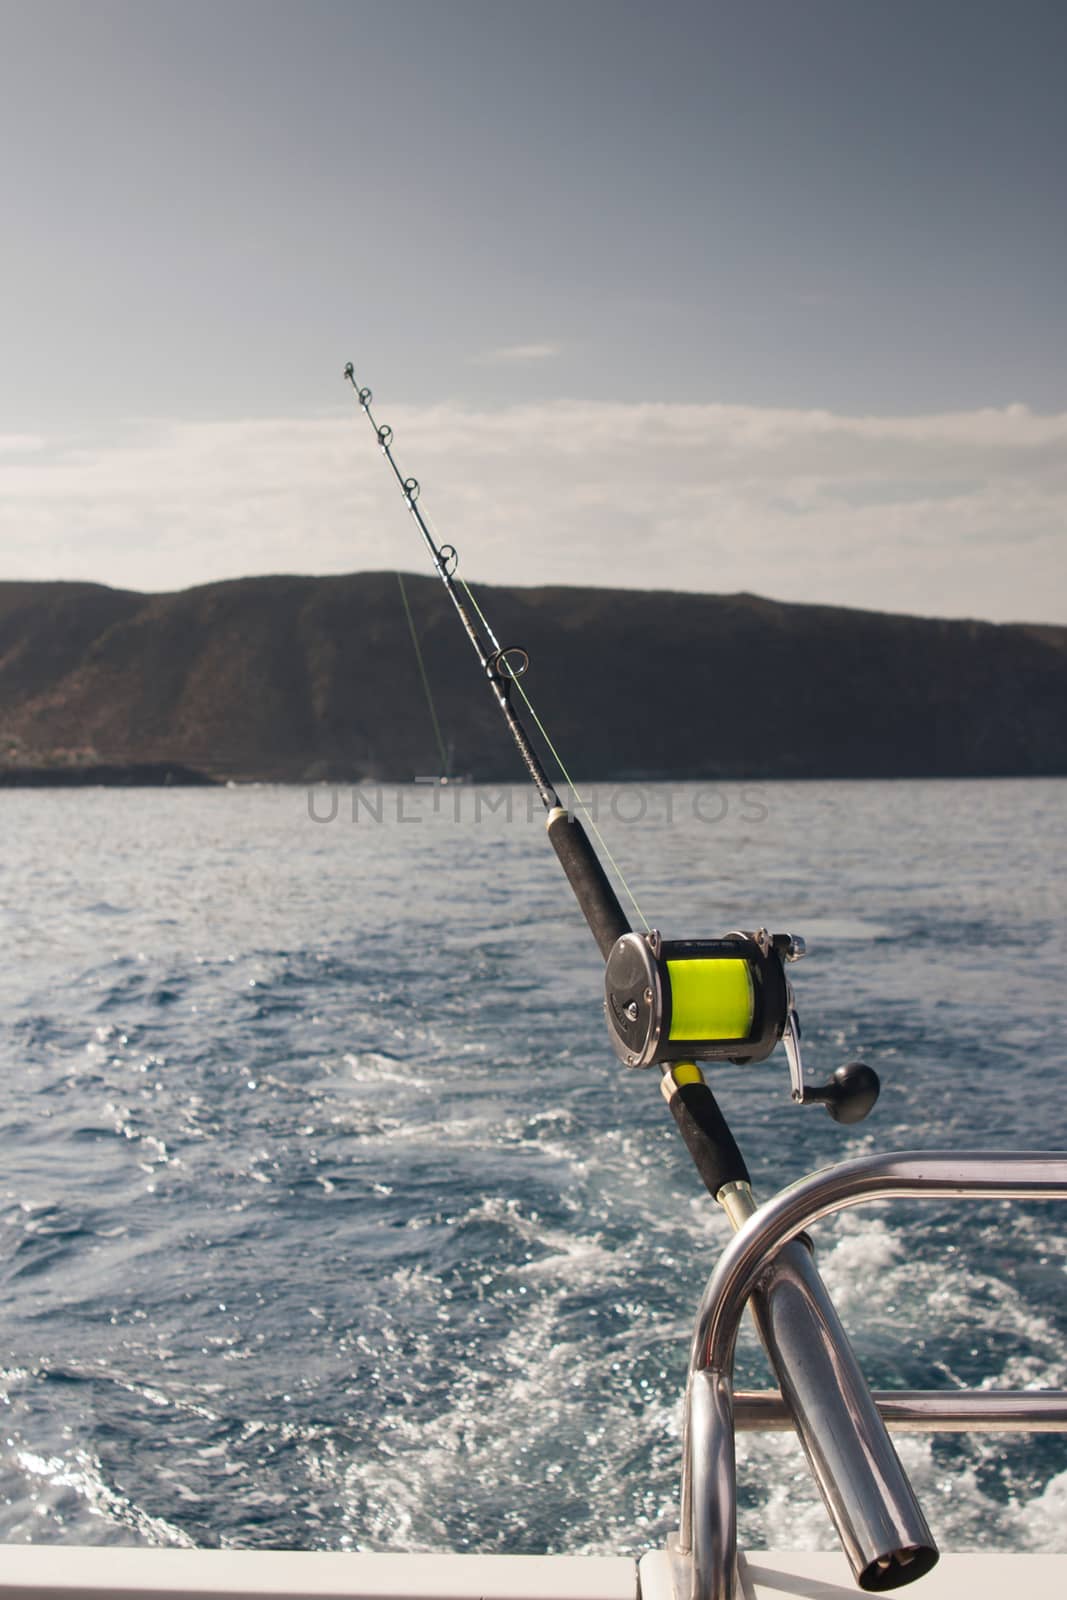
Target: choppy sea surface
(330, 1220)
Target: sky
(760, 295)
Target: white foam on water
(1041, 1524)
(505, 1442)
(371, 1067)
(62, 1494)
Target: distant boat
(447, 779)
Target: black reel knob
(850, 1093)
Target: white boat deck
(63, 1572)
(825, 1575)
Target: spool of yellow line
(710, 999)
(695, 999)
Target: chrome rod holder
(751, 1266)
(864, 1487)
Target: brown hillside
(293, 678)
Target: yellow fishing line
(711, 999)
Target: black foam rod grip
(708, 1138)
(588, 879)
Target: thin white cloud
(955, 514)
(516, 354)
(20, 444)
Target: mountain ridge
(299, 679)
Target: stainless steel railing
(707, 1540)
(926, 1411)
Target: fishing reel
(719, 1000)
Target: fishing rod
(503, 667)
(666, 1002)
(676, 1003)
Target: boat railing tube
(926, 1410)
(866, 1493)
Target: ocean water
(330, 1220)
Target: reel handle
(849, 1095)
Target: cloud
(20, 443)
(517, 353)
(953, 514)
